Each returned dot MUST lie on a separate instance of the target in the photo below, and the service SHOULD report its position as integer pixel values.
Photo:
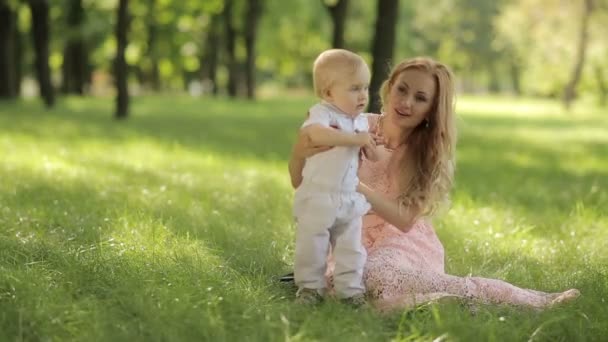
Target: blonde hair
(332, 65)
(430, 152)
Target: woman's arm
(302, 149)
(296, 165)
(389, 209)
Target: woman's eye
(421, 99)
(402, 89)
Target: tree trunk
(8, 62)
(41, 37)
(383, 45)
(120, 63)
(152, 74)
(75, 54)
(251, 25)
(18, 53)
(601, 85)
(230, 49)
(338, 18)
(515, 73)
(210, 57)
(570, 89)
(493, 78)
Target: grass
(173, 225)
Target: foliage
(544, 35)
(491, 44)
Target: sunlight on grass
(176, 223)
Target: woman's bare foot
(565, 297)
(554, 299)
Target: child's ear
(327, 93)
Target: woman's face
(410, 98)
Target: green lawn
(173, 225)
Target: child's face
(350, 93)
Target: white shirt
(335, 169)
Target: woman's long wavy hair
(430, 154)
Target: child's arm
(320, 135)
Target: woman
(405, 262)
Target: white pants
(325, 219)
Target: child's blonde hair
(333, 64)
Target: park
(144, 184)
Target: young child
(327, 208)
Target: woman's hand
(388, 208)
(303, 148)
(378, 139)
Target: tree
(8, 44)
(209, 59)
(382, 48)
(120, 63)
(337, 11)
(152, 74)
(230, 36)
(254, 12)
(601, 85)
(18, 56)
(570, 89)
(41, 38)
(543, 35)
(75, 62)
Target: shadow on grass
(533, 181)
(261, 130)
(513, 173)
(238, 237)
(73, 253)
(554, 123)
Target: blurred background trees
(247, 48)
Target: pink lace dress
(407, 269)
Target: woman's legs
(395, 285)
